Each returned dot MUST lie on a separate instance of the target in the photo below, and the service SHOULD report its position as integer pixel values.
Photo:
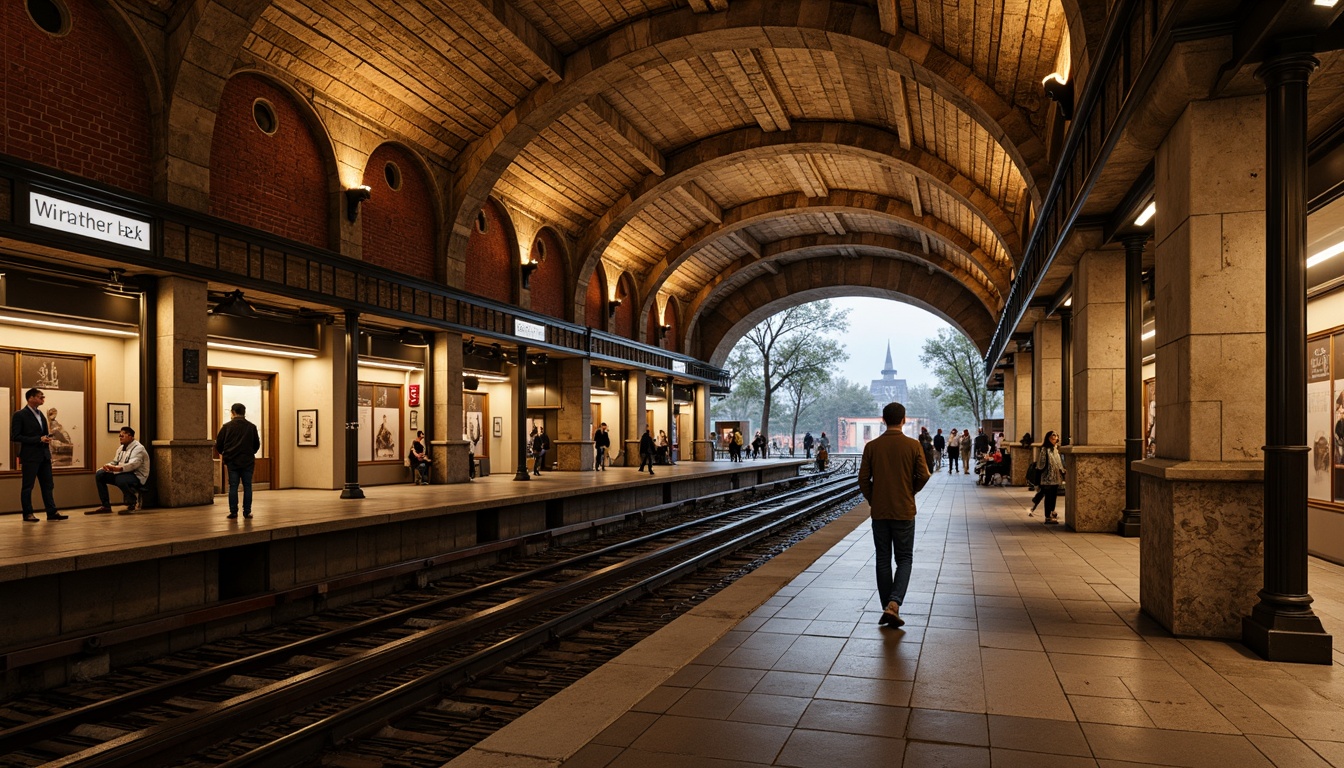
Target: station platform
(1023, 646)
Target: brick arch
(624, 323)
(82, 103)
(672, 319)
(399, 226)
(491, 255)
(548, 281)
(838, 201)
(681, 33)
(744, 145)
(595, 301)
(281, 183)
(719, 327)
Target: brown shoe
(100, 511)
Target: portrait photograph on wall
(1149, 418)
(118, 416)
(386, 422)
(306, 435)
(1318, 418)
(365, 422)
(65, 380)
(475, 412)
(11, 398)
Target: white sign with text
(525, 330)
(76, 219)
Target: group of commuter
(236, 445)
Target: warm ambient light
(494, 377)
(1146, 215)
(259, 350)
(1148, 334)
(66, 326)
(1068, 302)
(597, 391)
(388, 366)
(1328, 253)
(1326, 3)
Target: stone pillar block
(573, 442)
(1201, 554)
(704, 450)
(636, 416)
(1009, 401)
(182, 459)
(448, 450)
(1095, 492)
(1024, 373)
(1047, 388)
(1021, 457)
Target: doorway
(257, 393)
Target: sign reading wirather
(525, 330)
(81, 220)
(679, 366)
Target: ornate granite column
(1134, 405)
(574, 424)
(1282, 626)
(351, 490)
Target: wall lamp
(528, 268)
(663, 330)
(1060, 92)
(612, 306)
(1146, 214)
(353, 197)
(411, 338)
(234, 305)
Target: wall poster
(1318, 419)
(8, 397)
(365, 422)
(1337, 413)
(67, 382)
(475, 415)
(380, 421)
(1149, 418)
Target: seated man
(128, 470)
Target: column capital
(1287, 66)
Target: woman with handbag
(1050, 465)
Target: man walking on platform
(237, 444)
(29, 429)
(892, 471)
(602, 441)
(541, 443)
(646, 449)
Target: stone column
(1047, 389)
(351, 489)
(1094, 496)
(448, 449)
(520, 413)
(1202, 495)
(1023, 374)
(183, 470)
(1130, 523)
(703, 438)
(1009, 399)
(636, 419)
(574, 428)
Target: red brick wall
(548, 282)
(490, 260)
(674, 333)
(77, 102)
(398, 224)
(625, 314)
(594, 303)
(278, 182)
(651, 326)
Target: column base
(1021, 457)
(1201, 556)
(448, 461)
(574, 455)
(1094, 496)
(352, 491)
(703, 450)
(1130, 525)
(630, 457)
(183, 472)
(1295, 638)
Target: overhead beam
(805, 173)
(771, 267)
(900, 108)
(746, 73)
(626, 136)
(889, 16)
(700, 202)
(748, 243)
(830, 222)
(525, 39)
(913, 184)
(708, 6)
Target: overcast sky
(874, 322)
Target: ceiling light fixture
(1060, 91)
(235, 305)
(1328, 253)
(15, 320)
(1326, 3)
(1148, 334)
(1146, 214)
(388, 366)
(260, 350)
(492, 377)
(599, 391)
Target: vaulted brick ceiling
(684, 140)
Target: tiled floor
(1024, 646)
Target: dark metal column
(352, 489)
(1066, 375)
(520, 411)
(1282, 626)
(671, 417)
(1130, 519)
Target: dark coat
(646, 445)
(238, 443)
(28, 432)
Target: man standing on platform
(646, 449)
(807, 444)
(541, 443)
(892, 471)
(29, 429)
(128, 470)
(237, 444)
(602, 440)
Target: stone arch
(743, 144)
(839, 201)
(624, 323)
(1085, 22)
(595, 301)
(491, 255)
(399, 228)
(548, 281)
(717, 328)
(285, 183)
(752, 24)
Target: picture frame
(415, 420)
(305, 435)
(499, 426)
(118, 416)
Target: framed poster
(67, 382)
(118, 416)
(475, 413)
(1149, 418)
(9, 397)
(499, 426)
(1318, 418)
(415, 420)
(306, 434)
(380, 422)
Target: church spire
(888, 372)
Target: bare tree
(791, 345)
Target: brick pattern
(77, 102)
(594, 314)
(651, 326)
(278, 182)
(624, 322)
(672, 317)
(398, 224)
(548, 281)
(490, 256)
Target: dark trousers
(1049, 493)
(601, 462)
(538, 460)
(646, 460)
(38, 472)
(952, 459)
(893, 539)
(240, 474)
(126, 481)
(421, 470)
(809, 452)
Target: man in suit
(892, 471)
(29, 429)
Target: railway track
(346, 675)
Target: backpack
(737, 438)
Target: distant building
(889, 388)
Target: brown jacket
(893, 470)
